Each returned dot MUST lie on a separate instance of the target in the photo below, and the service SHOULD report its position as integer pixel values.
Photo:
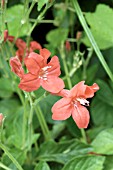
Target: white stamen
(45, 68)
(44, 72)
(83, 101)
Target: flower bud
(1, 118)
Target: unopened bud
(1, 118)
(5, 35)
(68, 46)
(79, 34)
(2, 3)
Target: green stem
(61, 50)
(11, 157)
(43, 123)
(24, 123)
(30, 121)
(20, 95)
(86, 62)
(84, 135)
(30, 9)
(3, 9)
(40, 17)
(91, 39)
(4, 167)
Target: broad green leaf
(72, 127)
(101, 26)
(102, 113)
(92, 132)
(6, 89)
(42, 166)
(46, 105)
(41, 3)
(85, 163)
(56, 36)
(16, 139)
(91, 73)
(15, 16)
(63, 151)
(103, 143)
(108, 164)
(9, 107)
(105, 93)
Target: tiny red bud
(2, 3)
(1, 118)
(5, 35)
(68, 46)
(79, 34)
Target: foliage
(29, 137)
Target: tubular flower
(73, 103)
(16, 66)
(40, 73)
(23, 51)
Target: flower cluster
(40, 72)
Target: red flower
(8, 37)
(73, 103)
(40, 72)
(16, 66)
(23, 51)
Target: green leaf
(9, 107)
(41, 3)
(42, 166)
(56, 36)
(99, 23)
(63, 151)
(16, 138)
(85, 163)
(15, 17)
(103, 143)
(108, 164)
(101, 113)
(19, 155)
(105, 93)
(46, 105)
(72, 127)
(94, 132)
(6, 89)
(91, 73)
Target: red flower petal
(81, 116)
(90, 90)
(78, 90)
(33, 62)
(62, 109)
(53, 84)
(45, 54)
(95, 87)
(35, 46)
(63, 93)
(16, 66)
(20, 44)
(55, 69)
(10, 38)
(29, 83)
